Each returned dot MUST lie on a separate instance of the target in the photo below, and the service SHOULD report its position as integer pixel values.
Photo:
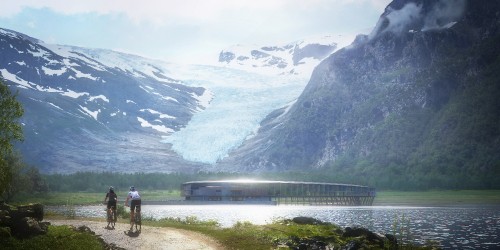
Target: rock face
(416, 96)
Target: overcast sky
(190, 31)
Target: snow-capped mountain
(80, 100)
(296, 58)
(101, 110)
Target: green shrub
(57, 237)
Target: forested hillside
(415, 104)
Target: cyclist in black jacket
(112, 199)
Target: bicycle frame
(137, 220)
(111, 217)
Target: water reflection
(453, 227)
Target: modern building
(277, 192)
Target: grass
(384, 198)
(438, 198)
(245, 235)
(280, 234)
(57, 237)
(86, 198)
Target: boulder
(352, 245)
(307, 221)
(22, 221)
(392, 239)
(26, 227)
(5, 232)
(34, 211)
(365, 233)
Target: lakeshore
(465, 218)
(383, 198)
(452, 226)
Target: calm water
(452, 227)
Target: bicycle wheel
(137, 221)
(108, 217)
(111, 218)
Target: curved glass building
(277, 192)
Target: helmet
(132, 188)
(111, 188)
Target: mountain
(99, 110)
(296, 58)
(414, 104)
(96, 110)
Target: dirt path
(149, 238)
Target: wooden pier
(278, 192)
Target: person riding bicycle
(112, 199)
(135, 204)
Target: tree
(18, 179)
(36, 181)
(10, 130)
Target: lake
(468, 227)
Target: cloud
(400, 19)
(145, 10)
(168, 11)
(443, 13)
(440, 14)
(187, 28)
(31, 24)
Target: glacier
(241, 100)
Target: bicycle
(137, 220)
(111, 217)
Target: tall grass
(401, 230)
(70, 211)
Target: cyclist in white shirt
(135, 204)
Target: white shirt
(134, 195)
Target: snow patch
(55, 106)
(80, 74)
(48, 89)
(93, 114)
(159, 128)
(73, 94)
(56, 72)
(102, 97)
(161, 115)
(13, 78)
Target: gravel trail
(149, 238)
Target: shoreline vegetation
(280, 234)
(438, 198)
(296, 233)
(383, 198)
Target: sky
(187, 31)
